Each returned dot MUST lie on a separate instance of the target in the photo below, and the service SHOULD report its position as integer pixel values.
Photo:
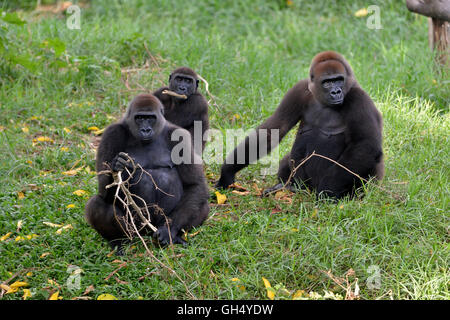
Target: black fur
(183, 112)
(182, 192)
(347, 131)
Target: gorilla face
(183, 84)
(333, 89)
(145, 124)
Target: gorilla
(183, 112)
(180, 191)
(337, 120)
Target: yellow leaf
(361, 13)
(5, 287)
(29, 274)
(99, 132)
(106, 296)
(298, 294)
(54, 296)
(294, 230)
(6, 236)
(54, 225)
(29, 162)
(71, 206)
(25, 130)
(20, 195)
(26, 294)
(19, 238)
(79, 193)
(18, 284)
(31, 236)
(43, 139)
(221, 198)
(60, 230)
(270, 290)
(2, 128)
(235, 279)
(19, 224)
(341, 206)
(44, 254)
(67, 130)
(93, 128)
(71, 172)
(65, 149)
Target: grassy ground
(57, 83)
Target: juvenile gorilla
(337, 120)
(179, 190)
(183, 112)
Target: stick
(174, 94)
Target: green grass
(251, 53)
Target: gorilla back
(140, 144)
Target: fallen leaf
(6, 236)
(43, 139)
(26, 294)
(54, 225)
(60, 230)
(25, 130)
(18, 284)
(241, 193)
(67, 130)
(106, 296)
(20, 195)
(72, 172)
(55, 296)
(270, 290)
(71, 206)
(19, 225)
(44, 254)
(221, 198)
(65, 149)
(93, 128)
(88, 290)
(361, 13)
(4, 287)
(298, 294)
(79, 193)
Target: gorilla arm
(285, 117)
(364, 150)
(113, 141)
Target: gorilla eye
(188, 80)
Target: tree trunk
(439, 40)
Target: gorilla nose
(146, 131)
(336, 92)
(181, 88)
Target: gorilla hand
(122, 161)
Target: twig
(174, 94)
(314, 154)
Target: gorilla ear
(196, 83)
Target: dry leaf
(54, 225)
(6, 236)
(44, 254)
(19, 225)
(26, 294)
(71, 206)
(241, 193)
(93, 128)
(25, 130)
(79, 192)
(361, 13)
(298, 294)
(60, 230)
(221, 198)
(18, 284)
(20, 195)
(67, 130)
